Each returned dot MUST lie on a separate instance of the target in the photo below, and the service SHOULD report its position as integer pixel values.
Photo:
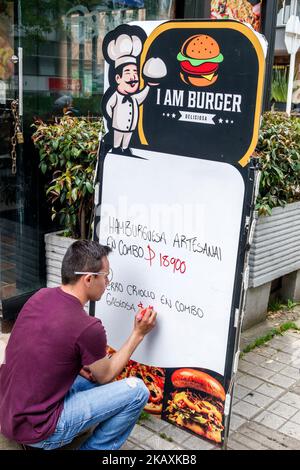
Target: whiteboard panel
(192, 238)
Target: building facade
(51, 59)
(286, 8)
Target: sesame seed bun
(199, 380)
(200, 46)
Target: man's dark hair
(82, 255)
(120, 68)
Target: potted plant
(275, 251)
(279, 88)
(68, 151)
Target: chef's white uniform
(124, 109)
(124, 112)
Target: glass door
(8, 178)
(19, 252)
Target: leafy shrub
(68, 155)
(279, 150)
(279, 85)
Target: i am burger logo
(199, 59)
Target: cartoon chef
(122, 107)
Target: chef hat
(124, 49)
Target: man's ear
(118, 79)
(87, 279)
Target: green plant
(165, 437)
(274, 332)
(275, 305)
(144, 416)
(278, 148)
(279, 85)
(291, 304)
(68, 155)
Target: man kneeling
(57, 380)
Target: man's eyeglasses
(108, 275)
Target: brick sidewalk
(266, 407)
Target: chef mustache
(132, 82)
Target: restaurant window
(62, 70)
(247, 11)
(64, 66)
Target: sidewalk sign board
(176, 187)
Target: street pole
(290, 84)
(292, 42)
(268, 29)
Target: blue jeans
(113, 408)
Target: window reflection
(64, 66)
(6, 49)
(62, 73)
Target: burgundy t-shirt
(51, 340)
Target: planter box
(274, 253)
(275, 250)
(56, 246)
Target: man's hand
(145, 321)
(107, 369)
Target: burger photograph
(199, 60)
(194, 400)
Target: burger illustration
(197, 403)
(199, 59)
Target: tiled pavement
(266, 406)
